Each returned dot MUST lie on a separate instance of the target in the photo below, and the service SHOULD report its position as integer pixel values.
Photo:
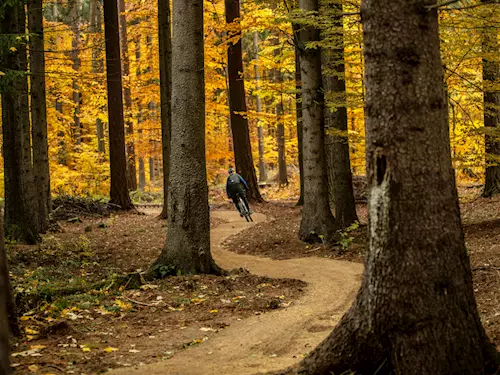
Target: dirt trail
(276, 339)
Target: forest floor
(243, 323)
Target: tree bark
(117, 158)
(152, 175)
(4, 301)
(142, 174)
(280, 126)
(298, 111)
(318, 223)
(20, 213)
(39, 115)
(415, 312)
(74, 22)
(260, 132)
(237, 105)
(129, 125)
(187, 250)
(165, 46)
(338, 161)
(491, 98)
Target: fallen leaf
(33, 368)
(109, 349)
(214, 311)
(134, 351)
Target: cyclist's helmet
(230, 170)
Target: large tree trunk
(165, 46)
(338, 161)
(298, 111)
(129, 125)
(188, 235)
(97, 63)
(318, 223)
(280, 126)
(4, 301)
(39, 115)
(237, 105)
(491, 95)
(260, 132)
(415, 312)
(117, 158)
(74, 22)
(20, 208)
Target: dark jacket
(235, 183)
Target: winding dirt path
(276, 339)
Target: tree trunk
(20, 212)
(338, 161)
(238, 107)
(142, 174)
(187, 250)
(97, 63)
(165, 46)
(39, 115)
(117, 158)
(129, 125)
(491, 95)
(298, 111)
(151, 169)
(280, 126)
(318, 223)
(415, 312)
(4, 301)
(260, 132)
(74, 22)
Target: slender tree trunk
(260, 132)
(20, 212)
(188, 234)
(298, 111)
(338, 161)
(129, 125)
(4, 301)
(117, 158)
(165, 46)
(152, 176)
(415, 312)
(318, 223)
(74, 22)
(238, 107)
(39, 115)
(491, 98)
(280, 126)
(142, 174)
(97, 64)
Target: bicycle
(244, 209)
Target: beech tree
(318, 223)
(117, 158)
(415, 312)
(165, 46)
(187, 249)
(39, 115)
(336, 141)
(258, 109)
(237, 104)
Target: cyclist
(236, 186)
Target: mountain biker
(237, 186)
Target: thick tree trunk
(338, 161)
(237, 105)
(39, 115)
(165, 42)
(298, 111)
(318, 223)
(415, 312)
(4, 301)
(188, 235)
(74, 22)
(260, 132)
(117, 158)
(491, 95)
(20, 208)
(280, 126)
(97, 64)
(129, 125)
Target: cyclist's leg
(245, 199)
(234, 197)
